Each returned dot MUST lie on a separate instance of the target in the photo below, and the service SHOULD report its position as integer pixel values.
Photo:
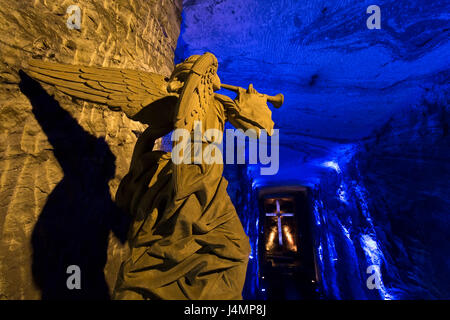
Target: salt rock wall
(387, 206)
(61, 159)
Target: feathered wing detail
(196, 104)
(197, 94)
(120, 89)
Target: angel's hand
(251, 97)
(251, 111)
(251, 89)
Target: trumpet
(276, 101)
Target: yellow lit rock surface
(132, 34)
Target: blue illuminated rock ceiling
(364, 124)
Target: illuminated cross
(279, 215)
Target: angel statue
(186, 240)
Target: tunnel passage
(286, 253)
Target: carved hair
(180, 74)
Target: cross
(279, 215)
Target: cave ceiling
(341, 80)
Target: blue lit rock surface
(61, 163)
(388, 206)
(365, 125)
(340, 79)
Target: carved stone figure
(186, 239)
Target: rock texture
(384, 202)
(340, 80)
(383, 197)
(61, 160)
(387, 205)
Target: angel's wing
(197, 94)
(120, 89)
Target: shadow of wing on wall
(74, 225)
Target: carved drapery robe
(186, 240)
